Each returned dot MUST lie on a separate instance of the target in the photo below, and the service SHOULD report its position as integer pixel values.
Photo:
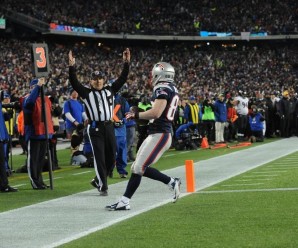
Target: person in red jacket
(35, 134)
(231, 118)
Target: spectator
(220, 112)
(74, 112)
(208, 119)
(231, 118)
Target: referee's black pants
(103, 143)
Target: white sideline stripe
(107, 224)
(246, 190)
(239, 184)
(80, 173)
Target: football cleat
(175, 187)
(118, 206)
(8, 189)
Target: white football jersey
(242, 106)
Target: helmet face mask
(162, 71)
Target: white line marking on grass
(286, 163)
(243, 184)
(262, 176)
(169, 155)
(19, 185)
(284, 167)
(266, 172)
(253, 179)
(246, 190)
(276, 171)
(84, 172)
(53, 178)
(273, 168)
(184, 152)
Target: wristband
(136, 115)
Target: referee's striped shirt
(99, 103)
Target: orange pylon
(204, 143)
(190, 176)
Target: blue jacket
(28, 108)
(3, 131)
(184, 128)
(76, 109)
(121, 129)
(256, 122)
(220, 111)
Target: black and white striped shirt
(99, 103)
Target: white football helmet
(162, 71)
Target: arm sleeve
(69, 117)
(84, 115)
(117, 85)
(82, 91)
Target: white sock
(172, 180)
(124, 199)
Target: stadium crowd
(202, 73)
(166, 16)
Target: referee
(99, 102)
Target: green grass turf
(68, 179)
(235, 216)
(224, 215)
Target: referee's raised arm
(116, 86)
(83, 92)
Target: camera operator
(256, 122)
(4, 137)
(187, 138)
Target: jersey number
(172, 108)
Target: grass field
(240, 212)
(255, 209)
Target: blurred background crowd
(185, 17)
(256, 69)
(265, 69)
